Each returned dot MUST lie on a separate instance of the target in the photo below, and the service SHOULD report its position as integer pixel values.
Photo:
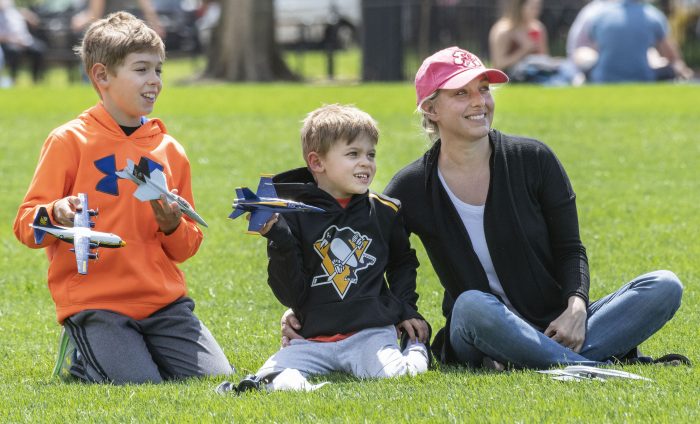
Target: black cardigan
(530, 223)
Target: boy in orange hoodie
(129, 318)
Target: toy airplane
(81, 235)
(582, 372)
(152, 184)
(263, 204)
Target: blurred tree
(243, 45)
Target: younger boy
(129, 317)
(332, 268)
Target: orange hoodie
(135, 280)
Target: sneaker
(249, 382)
(672, 359)
(404, 343)
(225, 387)
(635, 357)
(66, 352)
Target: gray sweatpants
(370, 353)
(172, 343)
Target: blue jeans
(482, 326)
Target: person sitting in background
(518, 45)
(16, 40)
(623, 32)
(99, 8)
(580, 49)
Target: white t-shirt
(473, 218)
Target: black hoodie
(343, 270)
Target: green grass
(633, 158)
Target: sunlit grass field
(632, 153)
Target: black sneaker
(404, 343)
(673, 359)
(635, 357)
(249, 382)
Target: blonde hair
(110, 40)
(429, 126)
(330, 124)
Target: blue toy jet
(83, 238)
(264, 204)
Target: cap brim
(463, 78)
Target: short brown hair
(329, 124)
(110, 40)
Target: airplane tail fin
(41, 220)
(246, 193)
(143, 167)
(128, 169)
(265, 187)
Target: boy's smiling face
(131, 91)
(346, 169)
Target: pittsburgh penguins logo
(344, 253)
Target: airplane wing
(235, 214)
(258, 218)
(82, 218)
(81, 245)
(151, 190)
(266, 188)
(583, 372)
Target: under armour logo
(466, 59)
(108, 184)
(107, 165)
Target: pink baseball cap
(452, 68)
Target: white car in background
(312, 22)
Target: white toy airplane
(151, 184)
(83, 238)
(582, 372)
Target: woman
(518, 34)
(518, 44)
(497, 216)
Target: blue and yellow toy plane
(263, 204)
(83, 238)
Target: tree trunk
(243, 45)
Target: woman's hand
(416, 328)
(289, 324)
(569, 329)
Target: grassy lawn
(633, 158)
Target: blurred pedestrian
(16, 40)
(99, 8)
